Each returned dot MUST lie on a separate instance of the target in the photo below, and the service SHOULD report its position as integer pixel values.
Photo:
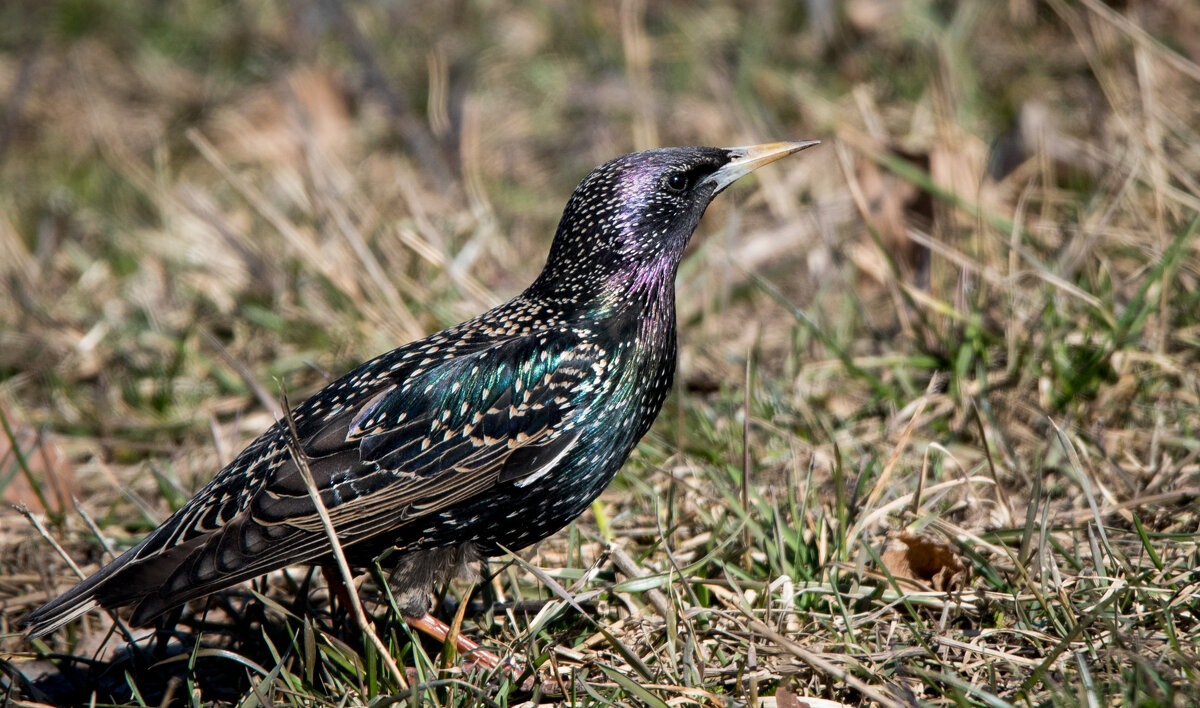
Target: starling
(487, 436)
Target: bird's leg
(427, 623)
(482, 657)
(465, 645)
(333, 578)
(162, 632)
(439, 630)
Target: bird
(478, 440)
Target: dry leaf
(46, 462)
(786, 697)
(925, 559)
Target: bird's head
(627, 223)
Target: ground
(933, 439)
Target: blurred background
(986, 273)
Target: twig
(356, 608)
(634, 660)
(987, 450)
(87, 519)
(747, 541)
(264, 398)
(886, 475)
(630, 568)
(37, 525)
(815, 661)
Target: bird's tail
(50, 617)
(93, 593)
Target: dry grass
(934, 438)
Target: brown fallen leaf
(924, 559)
(46, 463)
(786, 697)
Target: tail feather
(45, 624)
(158, 581)
(126, 581)
(88, 595)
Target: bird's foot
(478, 657)
(466, 646)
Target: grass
(933, 439)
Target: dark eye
(677, 182)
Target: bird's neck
(648, 289)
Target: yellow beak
(747, 159)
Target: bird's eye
(677, 182)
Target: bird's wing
(447, 432)
(442, 436)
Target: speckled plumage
(492, 434)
